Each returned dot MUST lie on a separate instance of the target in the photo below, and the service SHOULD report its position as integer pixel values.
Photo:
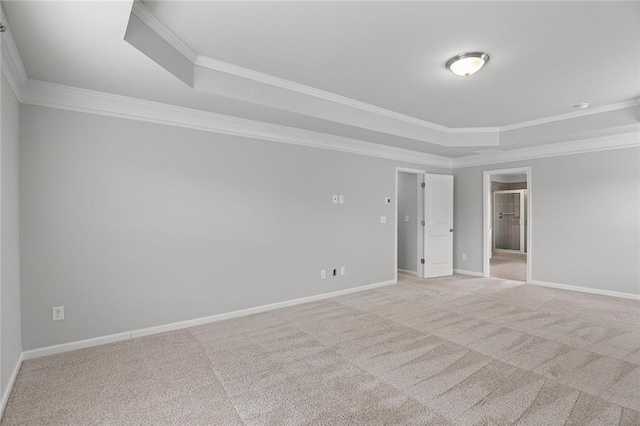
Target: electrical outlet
(57, 313)
(343, 271)
(406, 219)
(383, 219)
(464, 256)
(323, 274)
(341, 199)
(335, 199)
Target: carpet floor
(451, 351)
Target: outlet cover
(334, 199)
(383, 219)
(57, 313)
(464, 256)
(341, 199)
(343, 271)
(323, 274)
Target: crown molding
(570, 115)
(12, 66)
(624, 140)
(53, 95)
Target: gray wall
(10, 343)
(131, 224)
(585, 220)
(407, 231)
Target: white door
(438, 225)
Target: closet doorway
(507, 224)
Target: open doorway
(424, 223)
(507, 195)
(409, 215)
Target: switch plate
(335, 199)
(343, 271)
(57, 313)
(406, 219)
(323, 274)
(387, 200)
(340, 199)
(383, 219)
(464, 256)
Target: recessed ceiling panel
(545, 56)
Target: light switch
(335, 198)
(406, 219)
(387, 200)
(383, 219)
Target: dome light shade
(466, 64)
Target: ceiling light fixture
(466, 64)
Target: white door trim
(487, 242)
(419, 266)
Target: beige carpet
(457, 350)
(508, 266)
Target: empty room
(320, 212)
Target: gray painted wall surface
(11, 342)
(132, 225)
(585, 220)
(407, 231)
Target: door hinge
(423, 184)
(422, 261)
(422, 222)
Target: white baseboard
(7, 392)
(81, 344)
(250, 311)
(463, 272)
(78, 344)
(407, 272)
(587, 290)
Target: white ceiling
(545, 56)
(388, 54)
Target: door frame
(487, 208)
(522, 194)
(419, 214)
